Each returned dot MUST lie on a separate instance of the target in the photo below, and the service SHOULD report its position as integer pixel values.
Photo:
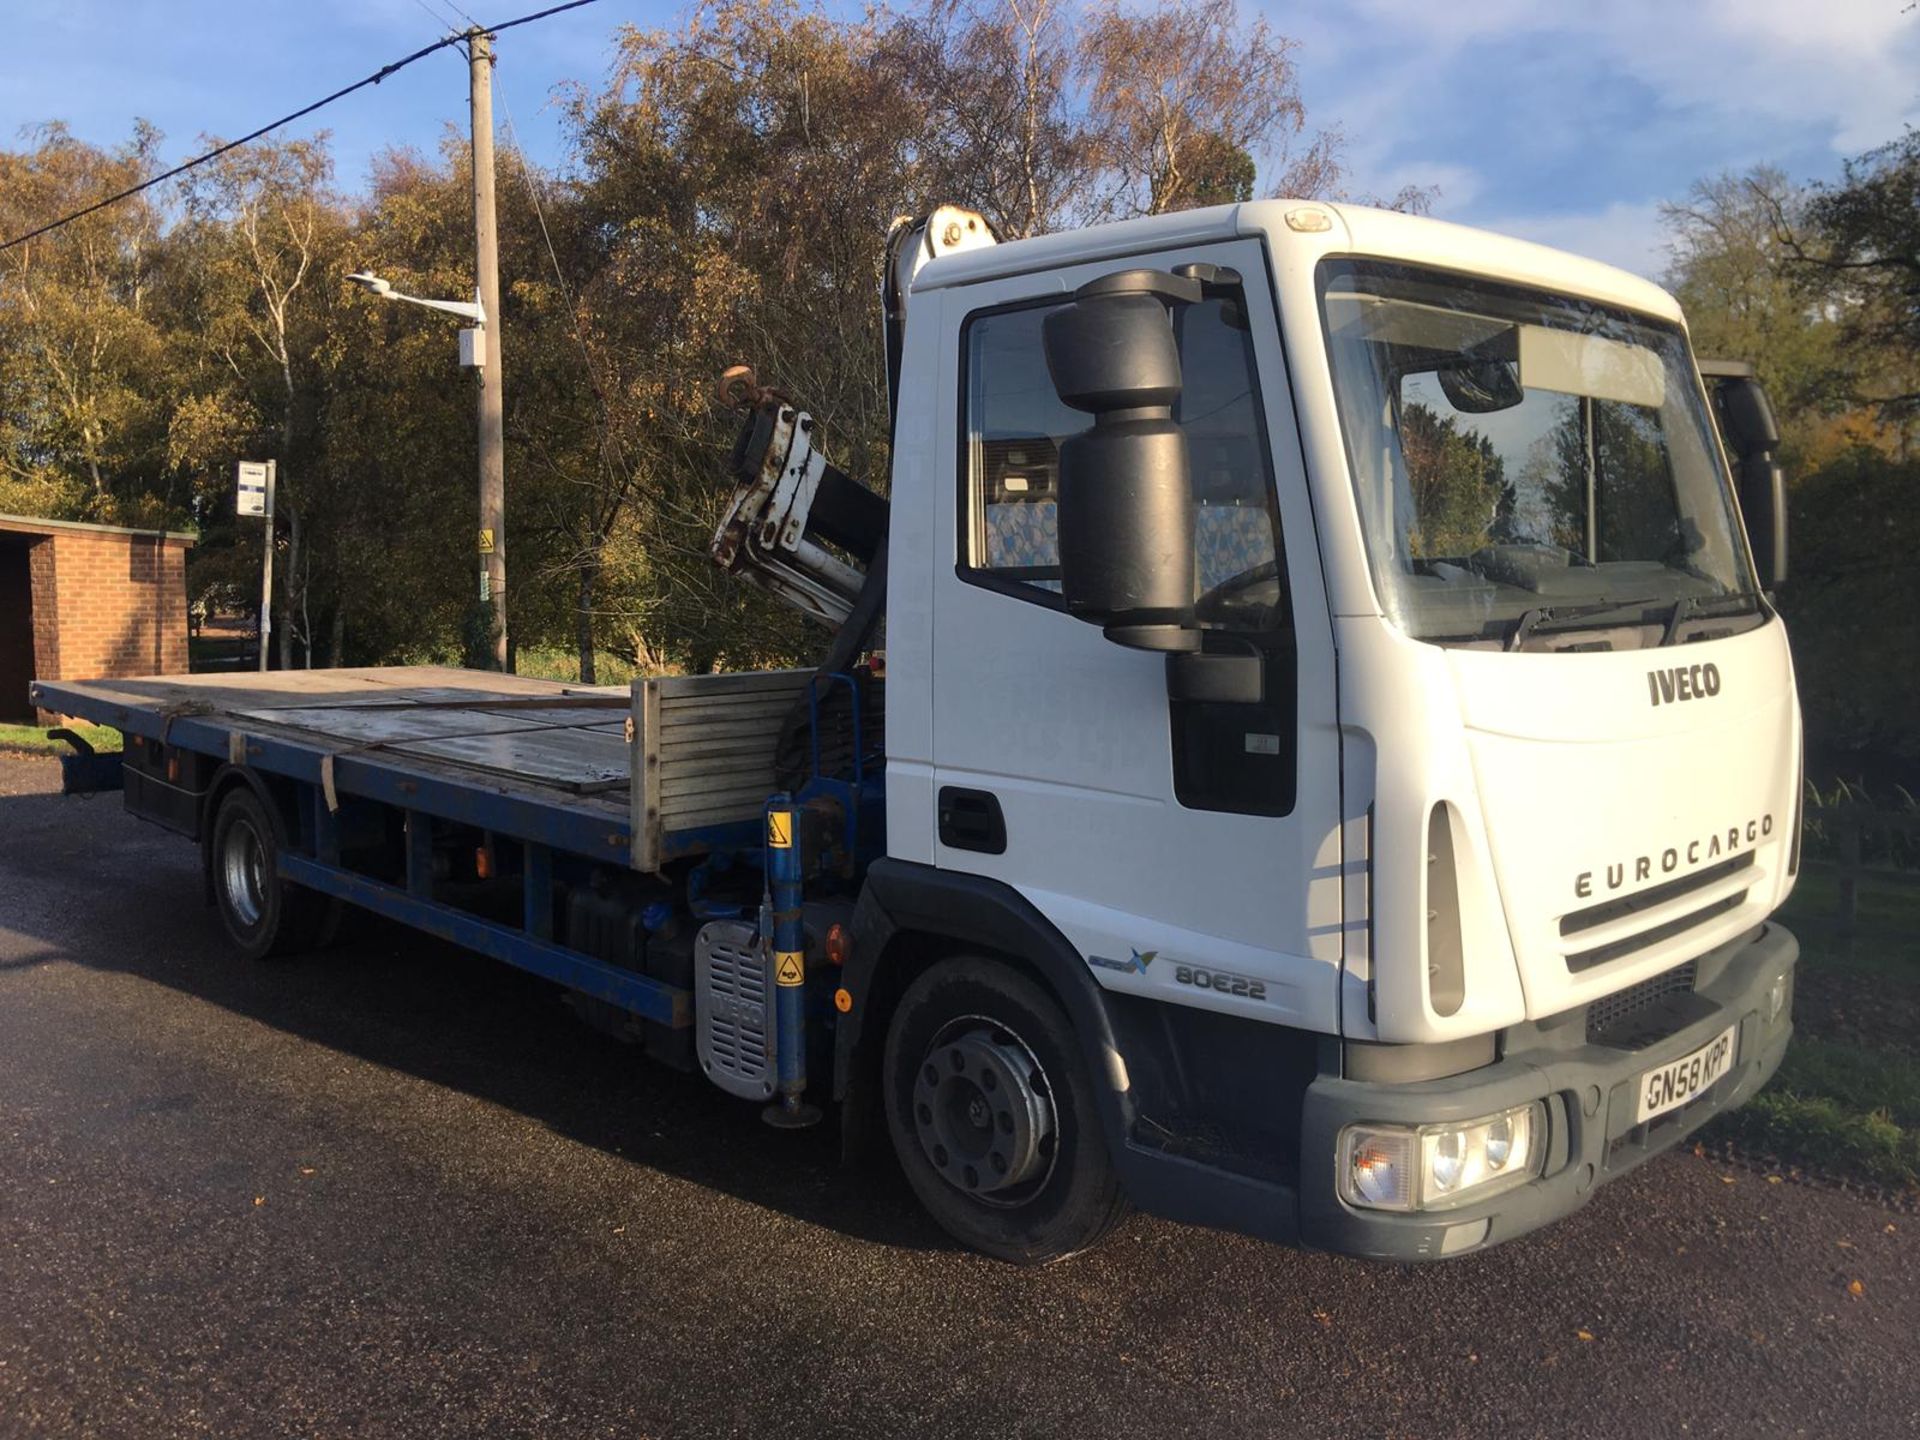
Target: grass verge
(1839, 1110)
(555, 663)
(546, 662)
(1846, 1101)
(32, 739)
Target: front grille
(1643, 1013)
(1606, 910)
(1600, 954)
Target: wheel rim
(243, 871)
(983, 1111)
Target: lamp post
(480, 350)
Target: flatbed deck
(417, 733)
(536, 759)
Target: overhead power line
(374, 79)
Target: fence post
(1849, 873)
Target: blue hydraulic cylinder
(785, 883)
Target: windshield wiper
(1557, 615)
(1683, 609)
(1693, 607)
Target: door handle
(971, 820)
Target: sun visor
(1406, 322)
(1574, 364)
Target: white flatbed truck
(1334, 764)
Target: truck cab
(1333, 636)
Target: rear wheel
(262, 914)
(993, 1116)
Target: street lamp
(474, 349)
(374, 285)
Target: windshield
(1526, 464)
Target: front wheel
(993, 1116)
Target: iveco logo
(1684, 682)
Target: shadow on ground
(397, 999)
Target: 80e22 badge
(1220, 982)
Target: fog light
(1394, 1167)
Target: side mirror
(1482, 387)
(1126, 491)
(1751, 435)
(1763, 500)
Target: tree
(1738, 271)
(81, 414)
(1000, 131)
(742, 175)
(1853, 606)
(1187, 97)
(733, 184)
(1868, 228)
(1461, 497)
(269, 224)
(1817, 287)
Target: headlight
(1399, 1167)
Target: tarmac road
(395, 1191)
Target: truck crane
(1305, 747)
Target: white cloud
(1625, 233)
(1845, 66)
(1566, 122)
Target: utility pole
(266, 570)
(486, 244)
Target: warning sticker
(788, 968)
(486, 542)
(780, 831)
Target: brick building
(87, 602)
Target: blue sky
(1564, 122)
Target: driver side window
(1014, 424)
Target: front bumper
(1590, 1095)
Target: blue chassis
(542, 826)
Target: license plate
(1673, 1085)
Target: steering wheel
(1267, 572)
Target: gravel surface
(393, 1190)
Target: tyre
(993, 1115)
(262, 914)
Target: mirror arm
(1216, 281)
(1175, 289)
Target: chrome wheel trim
(983, 1111)
(243, 872)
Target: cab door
(1189, 851)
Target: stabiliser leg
(789, 946)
